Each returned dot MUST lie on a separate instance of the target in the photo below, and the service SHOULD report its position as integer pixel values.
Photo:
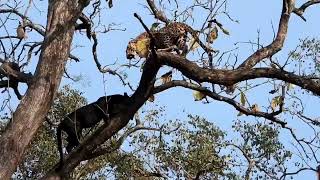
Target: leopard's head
(138, 46)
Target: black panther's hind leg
(73, 140)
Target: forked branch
(277, 44)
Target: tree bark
(33, 107)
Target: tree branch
(157, 13)
(106, 131)
(30, 24)
(277, 44)
(11, 70)
(120, 141)
(230, 77)
(299, 11)
(215, 96)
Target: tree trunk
(34, 106)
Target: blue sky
(252, 15)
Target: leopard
(172, 37)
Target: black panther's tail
(59, 143)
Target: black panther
(88, 116)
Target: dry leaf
(242, 99)
(198, 96)
(167, 77)
(110, 4)
(255, 108)
(213, 35)
(193, 44)
(276, 101)
(290, 86)
(21, 34)
(225, 31)
(151, 98)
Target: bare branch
(30, 24)
(215, 96)
(296, 172)
(276, 44)
(105, 69)
(157, 13)
(120, 141)
(299, 11)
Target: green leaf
(198, 96)
(225, 31)
(154, 26)
(242, 98)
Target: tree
(193, 148)
(212, 74)
(42, 153)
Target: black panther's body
(88, 116)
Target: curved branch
(296, 172)
(230, 77)
(30, 24)
(120, 141)
(215, 96)
(11, 70)
(27, 23)
(105, 69)
(299, 11)
(277, 44)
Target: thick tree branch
(119, 142)
(12, 74)
(277, 44)
(230, 77)
(10, 70)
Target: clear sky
(252, 15)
